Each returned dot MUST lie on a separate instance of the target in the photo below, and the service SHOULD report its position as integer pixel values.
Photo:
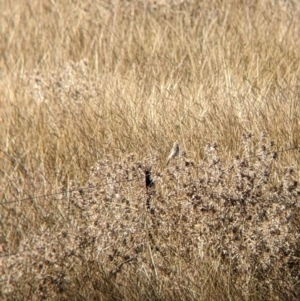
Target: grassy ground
(92, 96)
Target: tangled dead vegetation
(94, 81)
(194, 226)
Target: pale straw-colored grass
(96, 81)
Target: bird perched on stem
(174, 152)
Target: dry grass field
(92, 96)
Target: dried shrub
(237, 218)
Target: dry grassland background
(92, 96)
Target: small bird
(174, 152)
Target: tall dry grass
(85, 84)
